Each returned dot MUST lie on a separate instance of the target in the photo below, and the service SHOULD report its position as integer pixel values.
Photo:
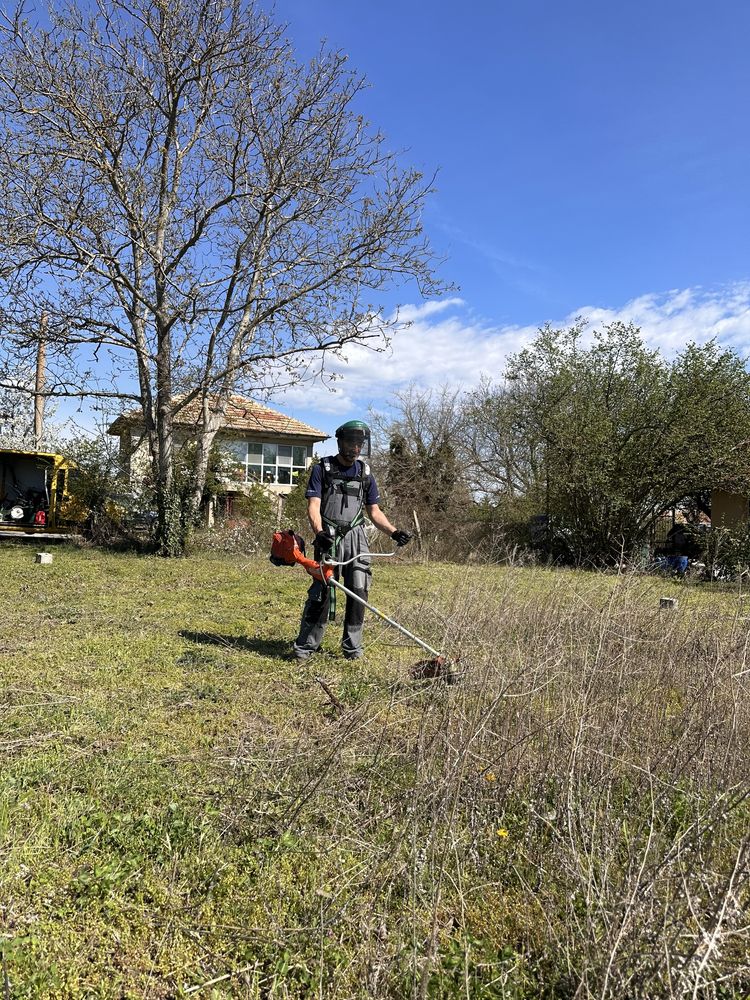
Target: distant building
(269, 447)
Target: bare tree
(196, 212)
(505, 455)
(421, 452)
(17, 384)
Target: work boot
(298, 656)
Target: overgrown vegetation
(726, 554)
(184, 812)
(593, 431)
(248, 528)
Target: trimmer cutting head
(436, 668)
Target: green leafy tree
(97, 473)
(605, 434)
(101, 498)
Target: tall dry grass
(571, 820)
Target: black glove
(323, 541)
(400, 537)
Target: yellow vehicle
(35, 497)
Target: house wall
(134, 455)
(729, 510)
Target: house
(266, 446)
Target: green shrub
(726, 553)
(246, 529)
(294, 513)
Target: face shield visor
(353, 444)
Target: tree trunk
(211, 419)
(170, 530)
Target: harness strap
(332, 590)
(332, 478)
(344, 529)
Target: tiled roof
(241, 415)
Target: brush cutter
(288, 549)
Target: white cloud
(412, 313)
(674, 319)
(437, 346)
(443, 343)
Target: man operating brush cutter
(288, 549)
(341, 490)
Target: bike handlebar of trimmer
(362, 555)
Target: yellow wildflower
(502, 832)
(490, 776)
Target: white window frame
(258, 465)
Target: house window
(261, 462)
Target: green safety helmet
(355, 429)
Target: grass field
(184, 811)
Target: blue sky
(592, 159)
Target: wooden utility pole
(41, 355)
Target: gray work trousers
(356, 577)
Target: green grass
(184, 812)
